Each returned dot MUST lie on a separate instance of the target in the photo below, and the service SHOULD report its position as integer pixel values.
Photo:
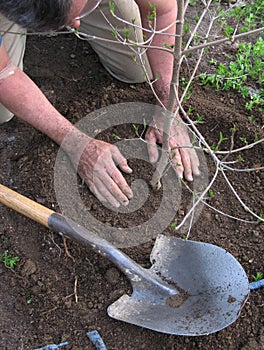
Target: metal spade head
(212, 289)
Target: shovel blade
(214, 283)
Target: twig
(75, 290)
(66, 248)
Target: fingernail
(125, 203)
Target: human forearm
(22, 97)
(161, 61)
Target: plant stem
(169, 117)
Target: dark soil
(52, 296)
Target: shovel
(191, 289)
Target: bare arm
(98, 160)
(22, 97)
(184, 158)
(161, 62)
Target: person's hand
(99, 163)
(98, 167)
(184, 158)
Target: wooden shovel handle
(25, 206)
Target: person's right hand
(99, 166)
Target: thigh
(15, 43)
(122, 61)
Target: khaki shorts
(15, 46)
(118, 59)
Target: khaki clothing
(15, 46)
(118, 59)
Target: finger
(186, 163)
(152, 147)
(120, 161)
(112, 187)
(195, 163)
(92, 187)
(102, 194)
(118, 178)
(177, 162)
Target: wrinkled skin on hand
(99, 164)
(185, 159)
(99, 167)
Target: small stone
(36, 290)
(112, 276)
(68, 303)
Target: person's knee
(162, 7)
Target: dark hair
(37, 15)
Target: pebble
(112, 276)
(90, 305)
(68, 303)
(36, 290)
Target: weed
(136, 129)
(246, 65)
(9, 260)
(247, 17)
(211, 193)
(174, 225)
(200, 118)
(260, 218)
(244, 140)
(115, 136)
(240, 158)
(221, 139)
(258, 276)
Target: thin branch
(221, 41)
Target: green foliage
(240, 159)
(8, 260)
(112, 6)
(200, 118)
(127, 32)
(116, 137)
(174, 225)
(248, 17)
(211, 193)
(258, 276)
(247, 64)
(221, 139)
(153, 14)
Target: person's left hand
(184, 157)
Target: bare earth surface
(54, 295)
